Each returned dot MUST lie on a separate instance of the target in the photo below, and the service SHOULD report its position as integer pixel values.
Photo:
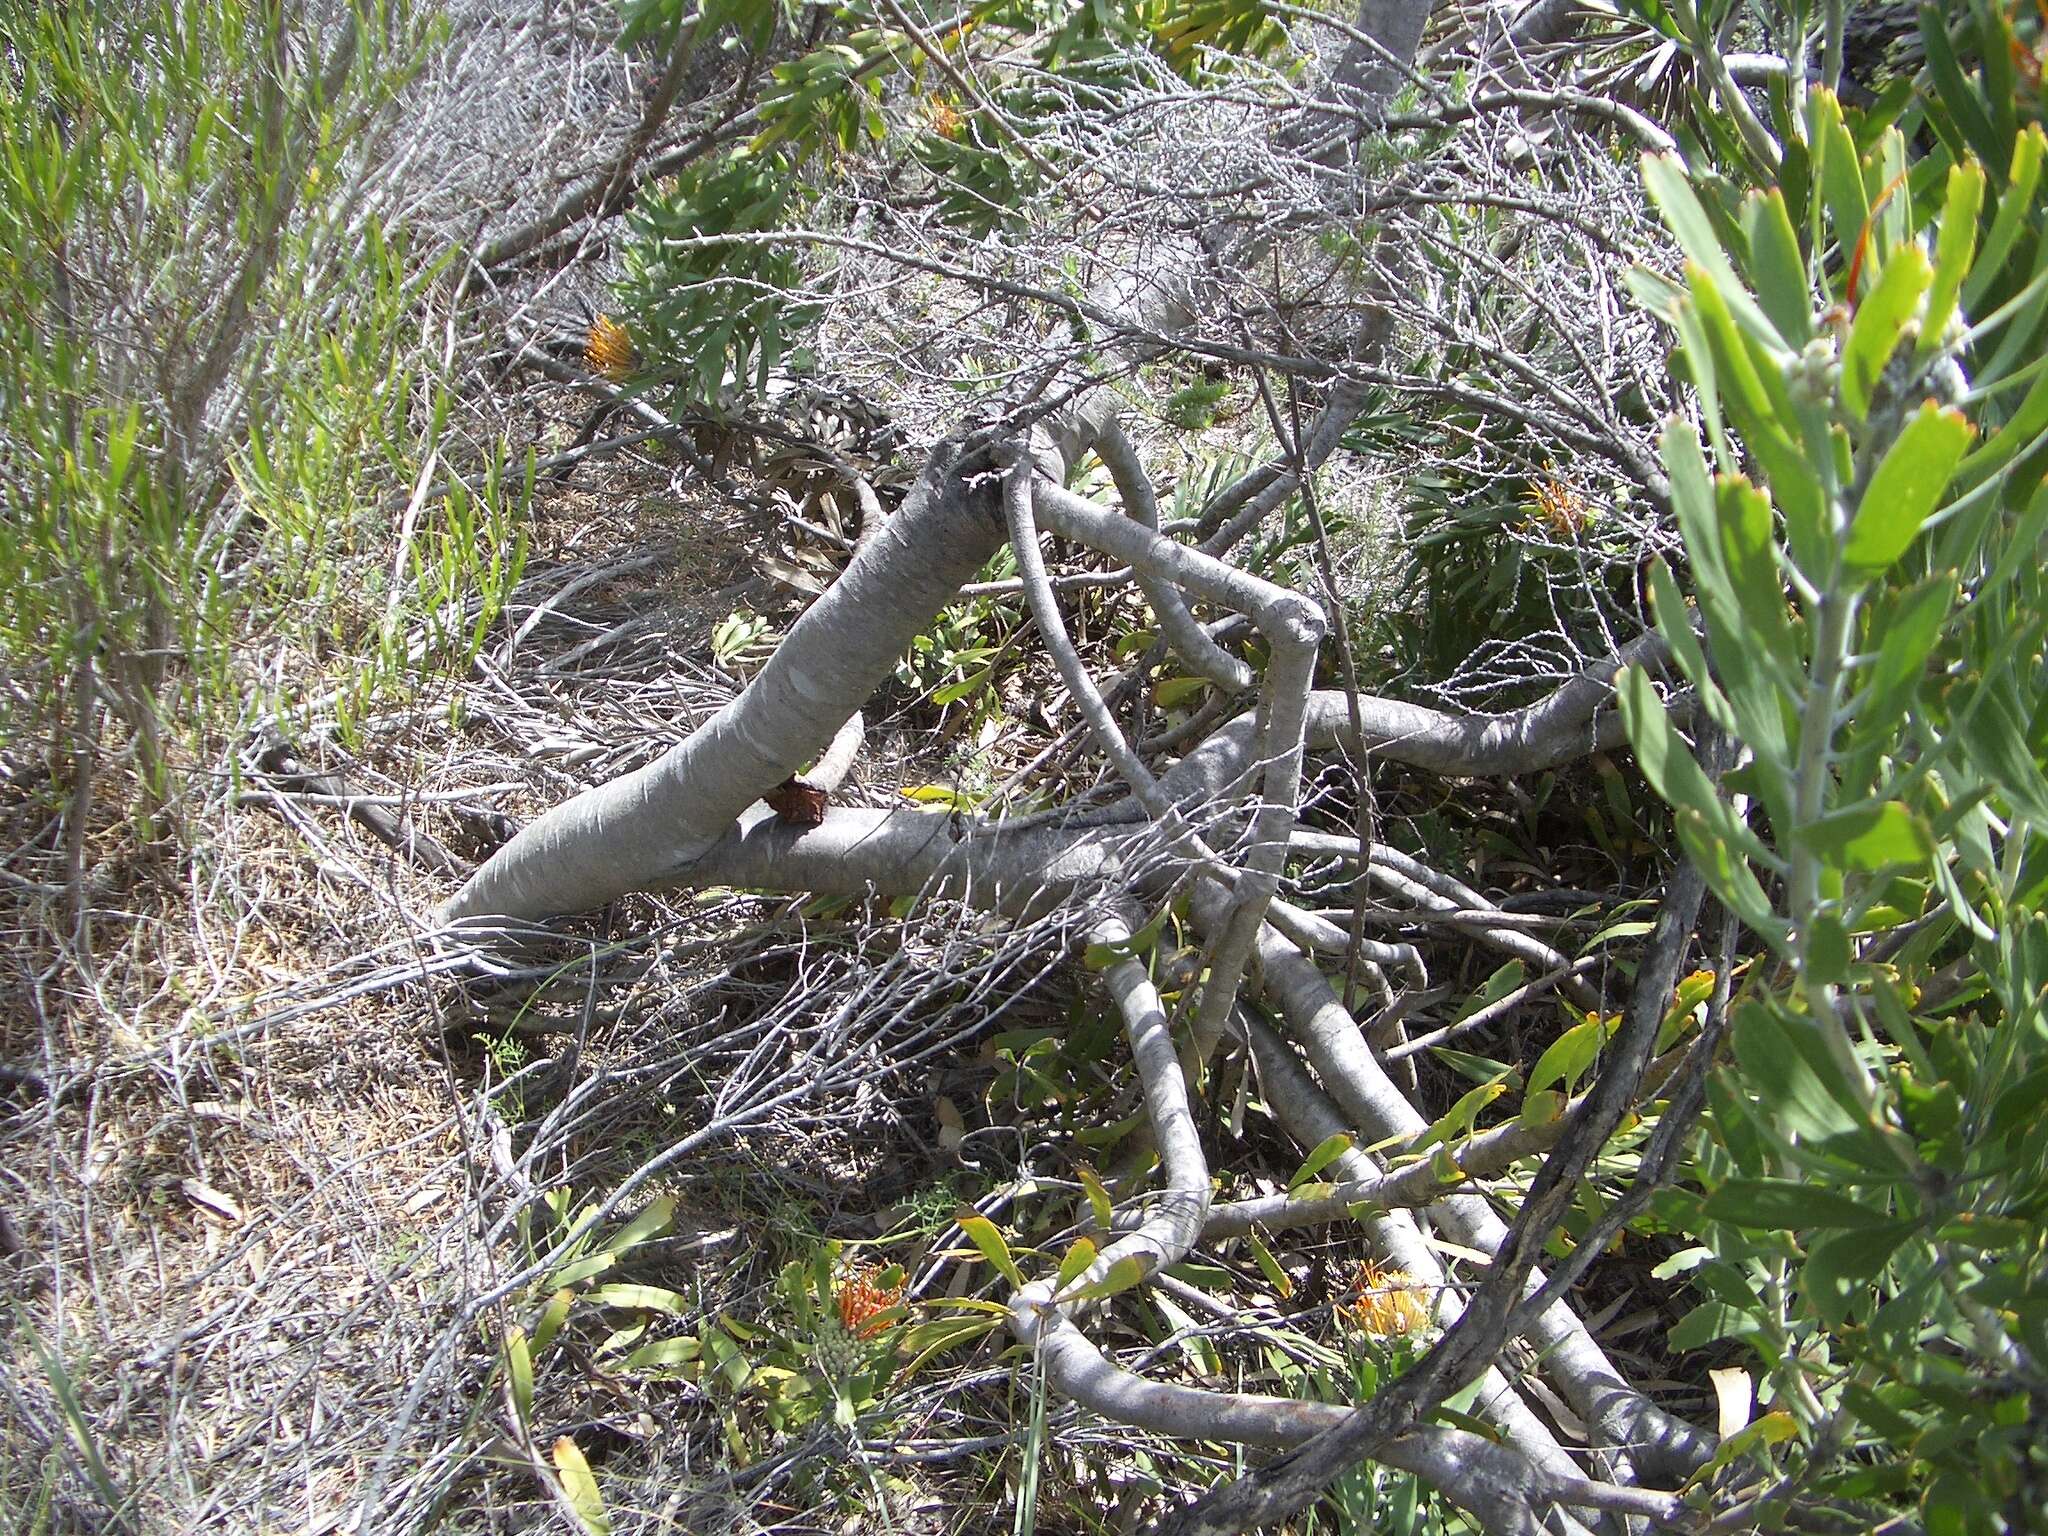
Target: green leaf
(1691, 991)
(551, 1319)
(1752, 378)
(1953, 248)
(2022, 547)
(1099, 1204)
(1075, 1264)
(1880, 319)
(1956, 96)
(1749, 550)
(579, 1488)
(1988, 1234)
(1457, 1122)
(1674, 623)
(1771, 1429)
(1327, 1152)
(973, 683)
(619, 1338)
(2019, 433)
(1788, 1204)
(1867, 837)
(1566, 1058)
(1504, 980)
(1712, 1320)
(984, 1235)
(519, 1365)
(1655, 292)
(1176, 691)
(1480, 1069)
(928, 1340)
(1841, 171)
(1269, 1266)
(1728, 874)
(1746, 670)
(1671, 191)
(1798, 1077)
(1911, 626)
(1121, 1276)
(663, 1354)
(939, 794)
(2015, 203)
(650, 1298)
(1844, 1265)
(1100, 957)
(1632, 929)
(581, 1270)
(1695, 359)
(1905, 488)
(1994, 736)
(1777, 265)
(656, 1219)
(725, 1356)
(1827, 949)
(1670, 767)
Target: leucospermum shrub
(1862, 616)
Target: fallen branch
(1276, 1491)
(278, 761)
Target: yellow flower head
(608, 349)
(1559, 507)
(945, 118)
(1387, 1303)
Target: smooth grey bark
(1621, 1415)
(1309, 1116)
(641, 830)
(1558, 728)
(638, 832)
(1180, 629)
(1491, 1318)
(1381, 54)
(1026, 869)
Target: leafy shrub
(1863, 527)
(208, 398)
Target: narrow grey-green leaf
(1906, 487)
(1789, 1204)
(1869, 837)
(1779, 268)
(1672, 192)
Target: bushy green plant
(1863, 530)
(210, 409)
(717, 310)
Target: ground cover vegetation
(1035, 766)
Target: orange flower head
(1560, 507)
(946, 119)
(863, 1300)
(608, 349)
(1387, 1303)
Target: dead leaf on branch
(797, 803)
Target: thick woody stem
(1311, 1119)
(641, 830)
(1188, 640)
(1502, 1486)
(1294, 629)
(1410, 1187)
(1596, 1391)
